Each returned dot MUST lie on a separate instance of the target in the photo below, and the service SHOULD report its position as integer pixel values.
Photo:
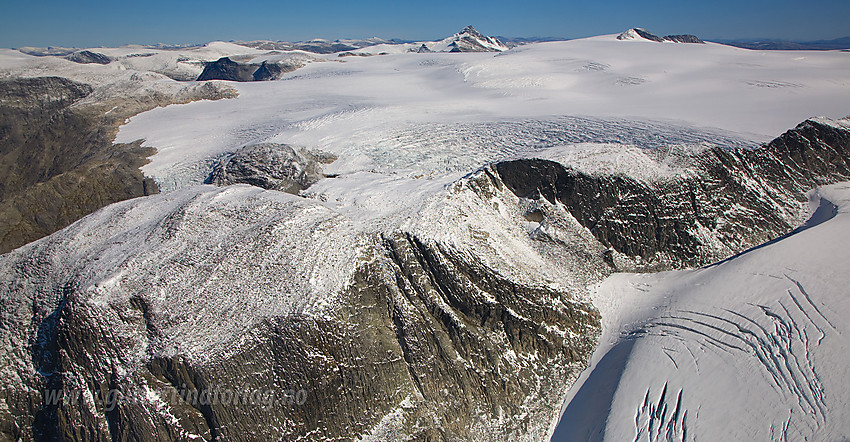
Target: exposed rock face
(638, 34)
(57, 160)
(240, 290)
(465, 322)
(88, 57)
(731, 201)
(267, 72)
(470, 40)
(643, 34)
(226, 69)
(684, 38)
(58, 164)
(271, 166)
(424, 49)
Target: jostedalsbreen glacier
(439, 281)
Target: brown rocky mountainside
(57, 160)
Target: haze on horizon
(90, 23)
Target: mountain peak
(471, 31)
(639, 34)
(470, 40)
(643, 34)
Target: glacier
(470, 248)
(749, 348)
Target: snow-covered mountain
(641, 34)
(428, 240)
(467, 40)
(318, 46)
(470, 40)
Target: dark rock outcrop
(639, 33)
(149, 302)
(732, 200)
(684, 38)
(86, 57)
(267, 72)
(57, 159)
(226, 69)
(635, 33)
(271, 166)
(423, 49)
(470, 40)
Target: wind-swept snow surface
(752, 348)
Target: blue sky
(109, 23)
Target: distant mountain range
(323, 46)
(467, 40)
(786, 45)
(318, 46)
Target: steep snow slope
(752, 348)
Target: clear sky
(85, 23)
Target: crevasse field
(407, 115)
(756, 344)
(730, 344)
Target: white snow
(230, 258)
(631, 35)
(439, 114)
(736, 345)
(444, 45)
(752, 348)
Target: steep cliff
(320, 331)
(236, 313)
(725, 202)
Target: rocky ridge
(85, 57)
(725, 202)
(643, 34)
(404, 334)
(226, 69)
(470, 40)
(271, 166)
(468, 321)
(59, 162)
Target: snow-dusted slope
(246, 290)
(752, 348)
